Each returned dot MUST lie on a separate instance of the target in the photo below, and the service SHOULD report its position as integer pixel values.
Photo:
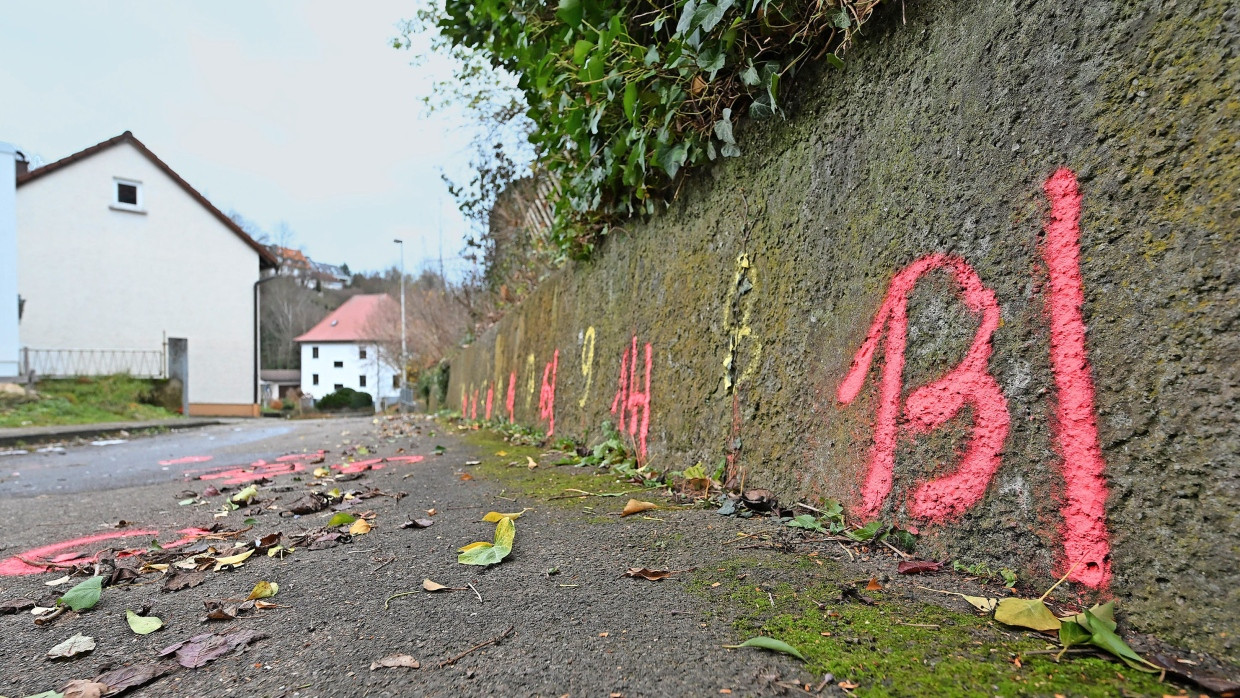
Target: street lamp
(403, 347)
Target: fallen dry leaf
(636, 507)
(81, 688)
(359, 528)
(184, 580)
(431, 512)
(873, 585)
(231, 560)
(918, 567)
(263, 590)
(647, 573)
(531, 463)
(418, 523)
(78, 644)
(466, 476)
(15, 605)
(395, 661)
(495, 516)
(201, 649)
(430, 585)
(848, 685)
(125, 678)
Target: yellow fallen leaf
(495, 516)
(322, 472)
(636, 507)
(263, 590)
(501, 454)
(161, 566)
(264, 605)
(234, 560)
(359, 527)
(531, 463)
(471, 546)
(1026, 613)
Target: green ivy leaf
(581, 49)
(866, 532)
(570, 12)
(85, 595)
(630, 100)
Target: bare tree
(288, 310)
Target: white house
(117, 253)
(351, 348)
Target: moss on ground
(545, 481)
(899, 647)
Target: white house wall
(97, 278)
(379, 375)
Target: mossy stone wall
(756, 289)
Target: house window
(396, 381)
(314, 352)
(339, 386)
(127, 195)
(314, 379)
(361, 353)
(361, 381)
(338, 364)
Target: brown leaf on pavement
(184, 580)
(396, 661)
(308, 504)
(125, 678)
(225, 609)
(873, 585)
(636, 507)
(647, 573)
(201, 649)
(15, 605)
(918, 567)
(429, 585)
(81, 688)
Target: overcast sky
(299, 112)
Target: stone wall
(981, 282)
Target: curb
(33, 435)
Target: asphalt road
(105, 464)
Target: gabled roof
(266, 259)
(351, 321)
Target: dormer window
(127, 195)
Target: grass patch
(85, 400)
(899, 647)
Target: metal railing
(70, 363)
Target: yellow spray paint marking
(587, 364)
(498, 375)
(529, 383)
(737, 331)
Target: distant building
(118, 253)
(350, 348)
(309, 273)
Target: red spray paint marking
(511, 400)
(186, 460)
(473, 405)
(1084, 510)
(258, 470)
(317, 455)
(375, 463)
(490, 397)
(930, 406)
(632, 402)
(546, 396)
(71, 551)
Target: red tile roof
(265, 259)
(350, 322)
